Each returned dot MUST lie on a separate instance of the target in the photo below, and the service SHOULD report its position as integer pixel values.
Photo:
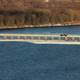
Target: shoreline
(38, 26)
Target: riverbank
(38, 26)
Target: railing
(41, 37)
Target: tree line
(37, 18)
(56, 13)
(23, 18)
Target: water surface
(26, 61)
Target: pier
(41, 38)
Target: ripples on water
(26, 61)
(69, 30)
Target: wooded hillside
(35, 12)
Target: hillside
(35, 12)
(65, 11)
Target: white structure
(42, 38)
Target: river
(26, 61)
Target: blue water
(26, 61)
(69, 30)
